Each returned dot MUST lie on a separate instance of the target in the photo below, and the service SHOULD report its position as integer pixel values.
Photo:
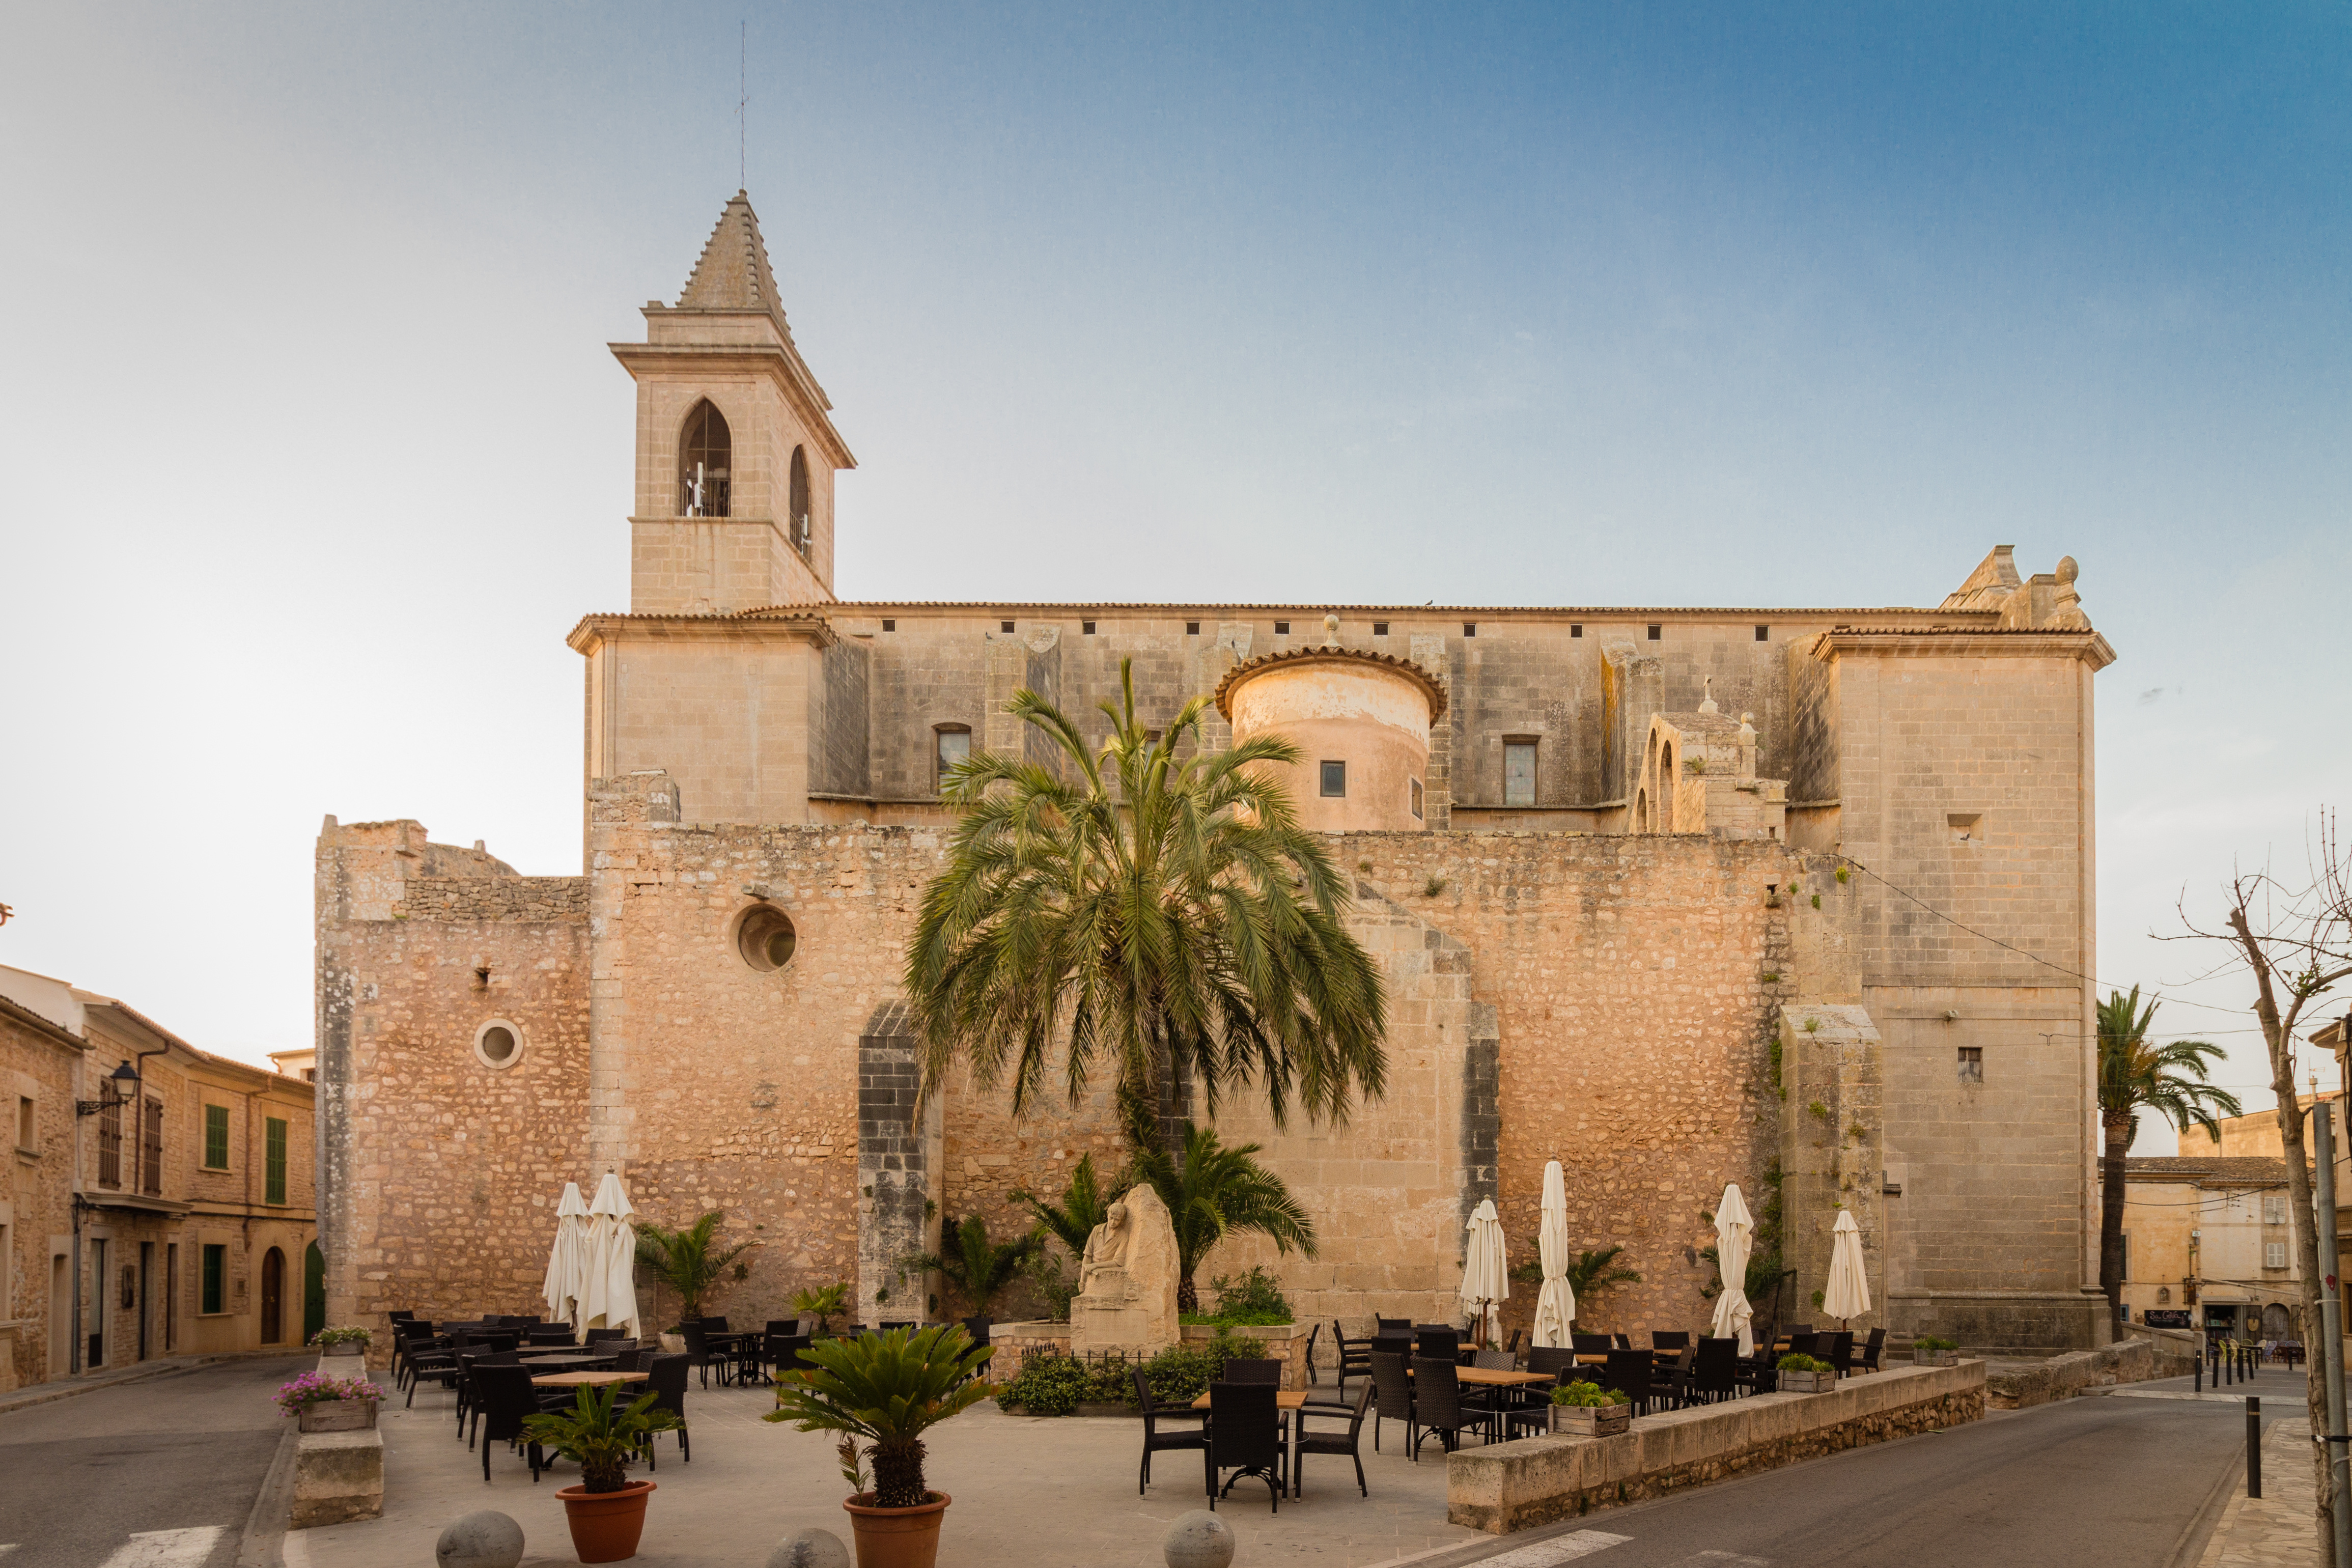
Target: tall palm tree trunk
(2119, 1128)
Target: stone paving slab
(1050, 1493)
(2276, 1530)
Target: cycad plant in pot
(606, 1511)
(887, 1390)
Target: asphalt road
(2081, 1484)
(182, 1455)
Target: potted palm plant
(606, 1511)
(973, 1264)
(823, 1303)
(888, 1390)
(689, 1261)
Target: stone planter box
(1590, 1420)
(336, 1416)
(1935, 1358)
(1807, 1382)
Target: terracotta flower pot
(605, 1525)
(897, 1537)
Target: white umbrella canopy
(1484, 1280)
(1734, 1235)
(564, 1281)
(1555, 1306)
(609, 1299)
(1848, 1295)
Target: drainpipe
(2331, 1331)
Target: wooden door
(273, 1296)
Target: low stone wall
(2015, 1387)
(338, 1475)
(1503, 1486)
(1016, 1342)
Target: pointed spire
(733, 274)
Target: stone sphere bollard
(809, 1549)
(484, 1540)
(1198, 1540)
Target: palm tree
(1085, 1204)
(1165, 914)
(688, 1261)
(973, 1264)
(2136, 1072)
(1215, 1192)
(1595, 1270)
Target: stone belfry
(736, 453)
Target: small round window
(766, 938)
(497, 1043)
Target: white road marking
(1563, 1549)
(1726, 1559)
(167, 1548)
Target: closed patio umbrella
(1734, 1234)
(610, 1298)
(1555, 1306)
(562, 1291)
(1485, 1281)
(1848, 1295)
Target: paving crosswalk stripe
(167, 1548)
(1562, 1549)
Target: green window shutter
(216, 1267)
(273, 1189)
(216, 1137)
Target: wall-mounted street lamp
(119, 1087)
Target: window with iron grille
(216, 1137)
(273, 1179)
(216, 1277)
(110, 1144)
(151, 1148)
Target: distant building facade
(1799, 897)
(2208, 1244)
(168, 1215)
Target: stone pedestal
(1126, 1282)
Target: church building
(1796, 896)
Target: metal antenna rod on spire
(742, 97)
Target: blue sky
(313, 450)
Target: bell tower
(736, 450)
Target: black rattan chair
(666, 1381)
(1838, 1351)
(699, 1354)
(1590, 1345)
(1156, 1441)
(1669, 1338)
(1715, 1374)
(1254, 1370)
(1348, 1443)
(1391, 1325)
(1312, 1334)
(505, 1398)
(1355, 1355)
(1672, 1384)
(1437, 1344)
(1629, 1373)
(1393, 1390)
(1244, 1437)
(1872, 1347)
(1438, 1406)
(1552, 1361)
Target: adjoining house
(2208, 1244)
(162, 1200)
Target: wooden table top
(586, 1378)
(1495, 1377)
(557, 1358)
(1283, 1399)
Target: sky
(311, 450)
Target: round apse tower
(1361, 720)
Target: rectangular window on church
(1972, 1064)
(1191, 628)
(1763, 633)
(952, 746)
(1657, 632)
(1576, 629)
(1087, 628)
(1379, 628)
(1282, 628)
(1416, 800)
(1335, 779)
(1519, 772)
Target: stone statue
(1127, 1281)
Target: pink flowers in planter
(317, 1387)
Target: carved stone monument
(1126, 1282)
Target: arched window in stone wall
(800, 496)
(704, 452)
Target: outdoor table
(586, 1378)
(569, 1361)
(1289, 1402)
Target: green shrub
(1586, 1397)
(1802, 1363)
(1933, 1345)
(1254, 1296)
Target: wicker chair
(1154, 1439)
(1350, 1444)
(1244, 1437)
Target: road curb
(263, 1544)
(43, 1394)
